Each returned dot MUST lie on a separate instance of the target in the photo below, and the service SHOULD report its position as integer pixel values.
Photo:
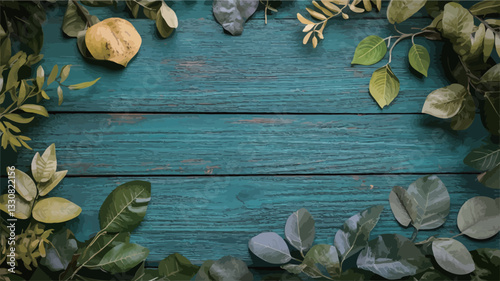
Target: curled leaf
(166, 20)
(232, 14)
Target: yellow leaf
(55, 210)
(316, 15)
(345, 16)
(306, 38)
(308, 27)
(315, 42)
(331, 6)
(339, 2)
(379, 4)
(325, 11)
(356, 9)
(303, 20)
(368, 5)
(113, 39)
(22, 207)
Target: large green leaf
(60, 252)
(25, 186)
(445, 102)
(431, 202)
(484, 158)
(45, 187)
(370, 51)
(230, 269)
(43, 167)
(452, 256)
(322, 260)
(22, 209)
(491, 178)
(123, 257)
(490, 112)
(401, 205)
(419, 59)
(485, 7)
(392, 256)
(299, 230)
(177, 267)
(384, 86)
(355, 232)
(92, 251)
(489, 43)
(487, 264)
(55, 210)
(465, 116)
(125, 207)
(270, 247)
(479, 218)
(458, 25)
(400, 10)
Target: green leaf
(294, 268)
(125, 207)
(458, 25)
(100, 247)
(65, 72)
(487, 263)
(25, 186)
(445, 102)
(401, 10)
(204, 271)
(384, 86)
(431, 201)
(477, 42)
(484, 158)
(44, 167)
(419, 59)
(123, 257)
(489, 43)
(392, 256)
(492, 75)
(53, 75)
(45, 187)
(465, 116)
(401, 205)
(74, 19)
(34, 108)
(322, 259)
(83, 85)
(370, 51)
(479, 218)
(485, 7)
(55, 210)
(355, 232)
(270, 247)
(230, 269)
(98, 3)
(177, 267)
(166, 20)
(60, 252)
(490, 113)
(22, 208)
(491, 178)
(18, 118)
(299, 230)
(60, 95)
(452, 256)
(40, 77)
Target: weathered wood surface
(201, 69)
(232, 144)
(210, 217)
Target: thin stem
(460, 234)
(402, 37)
(414, 235)
(326, 20)
(295, 259)
(93, 241)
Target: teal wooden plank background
(235, 133)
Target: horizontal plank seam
(229, 113)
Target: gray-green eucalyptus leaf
(431, 201)
(322, 260)
(270, 247)
(355, 232)
(452, 256)
(392, 256)
(479, 218)
(401, 205)
(299, 230)
(230, 269)
(232, 14)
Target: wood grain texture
(267, 69)
(210, 217)
(198, 144)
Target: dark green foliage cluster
(424, 205)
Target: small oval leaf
(479, 218)
(299, 230)
(270, 247)
(453, 256)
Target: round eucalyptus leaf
(230, 269)
(299, 230)
(453, 256)
(384, 86)
(232, 14)
(55, 210)
(270, 247)
(370, 51)
(322, 260)
(123, 257)
(125, 207)
(392, 256)
(431, 202)
(355, 232)
(401, 205)
(479, 218)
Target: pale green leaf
(489, 43)
(400, 10)
(55, 210)
(479, 218)
(45, 187)
(270, 247)
(25, 186)
(299, 230)
(53, 75)
(485, 7)
(60, 95)
(65, 72)
(83, 85)
(43, 167)
(401, 205)
(452, 256)
(445, 102)
(18, 118)
(465, 116)
(419, 59)
(17, 207)
(369, 51)
(230, 269)
(458, 25)
(40, 77)
(384, 86)
(34, 108)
